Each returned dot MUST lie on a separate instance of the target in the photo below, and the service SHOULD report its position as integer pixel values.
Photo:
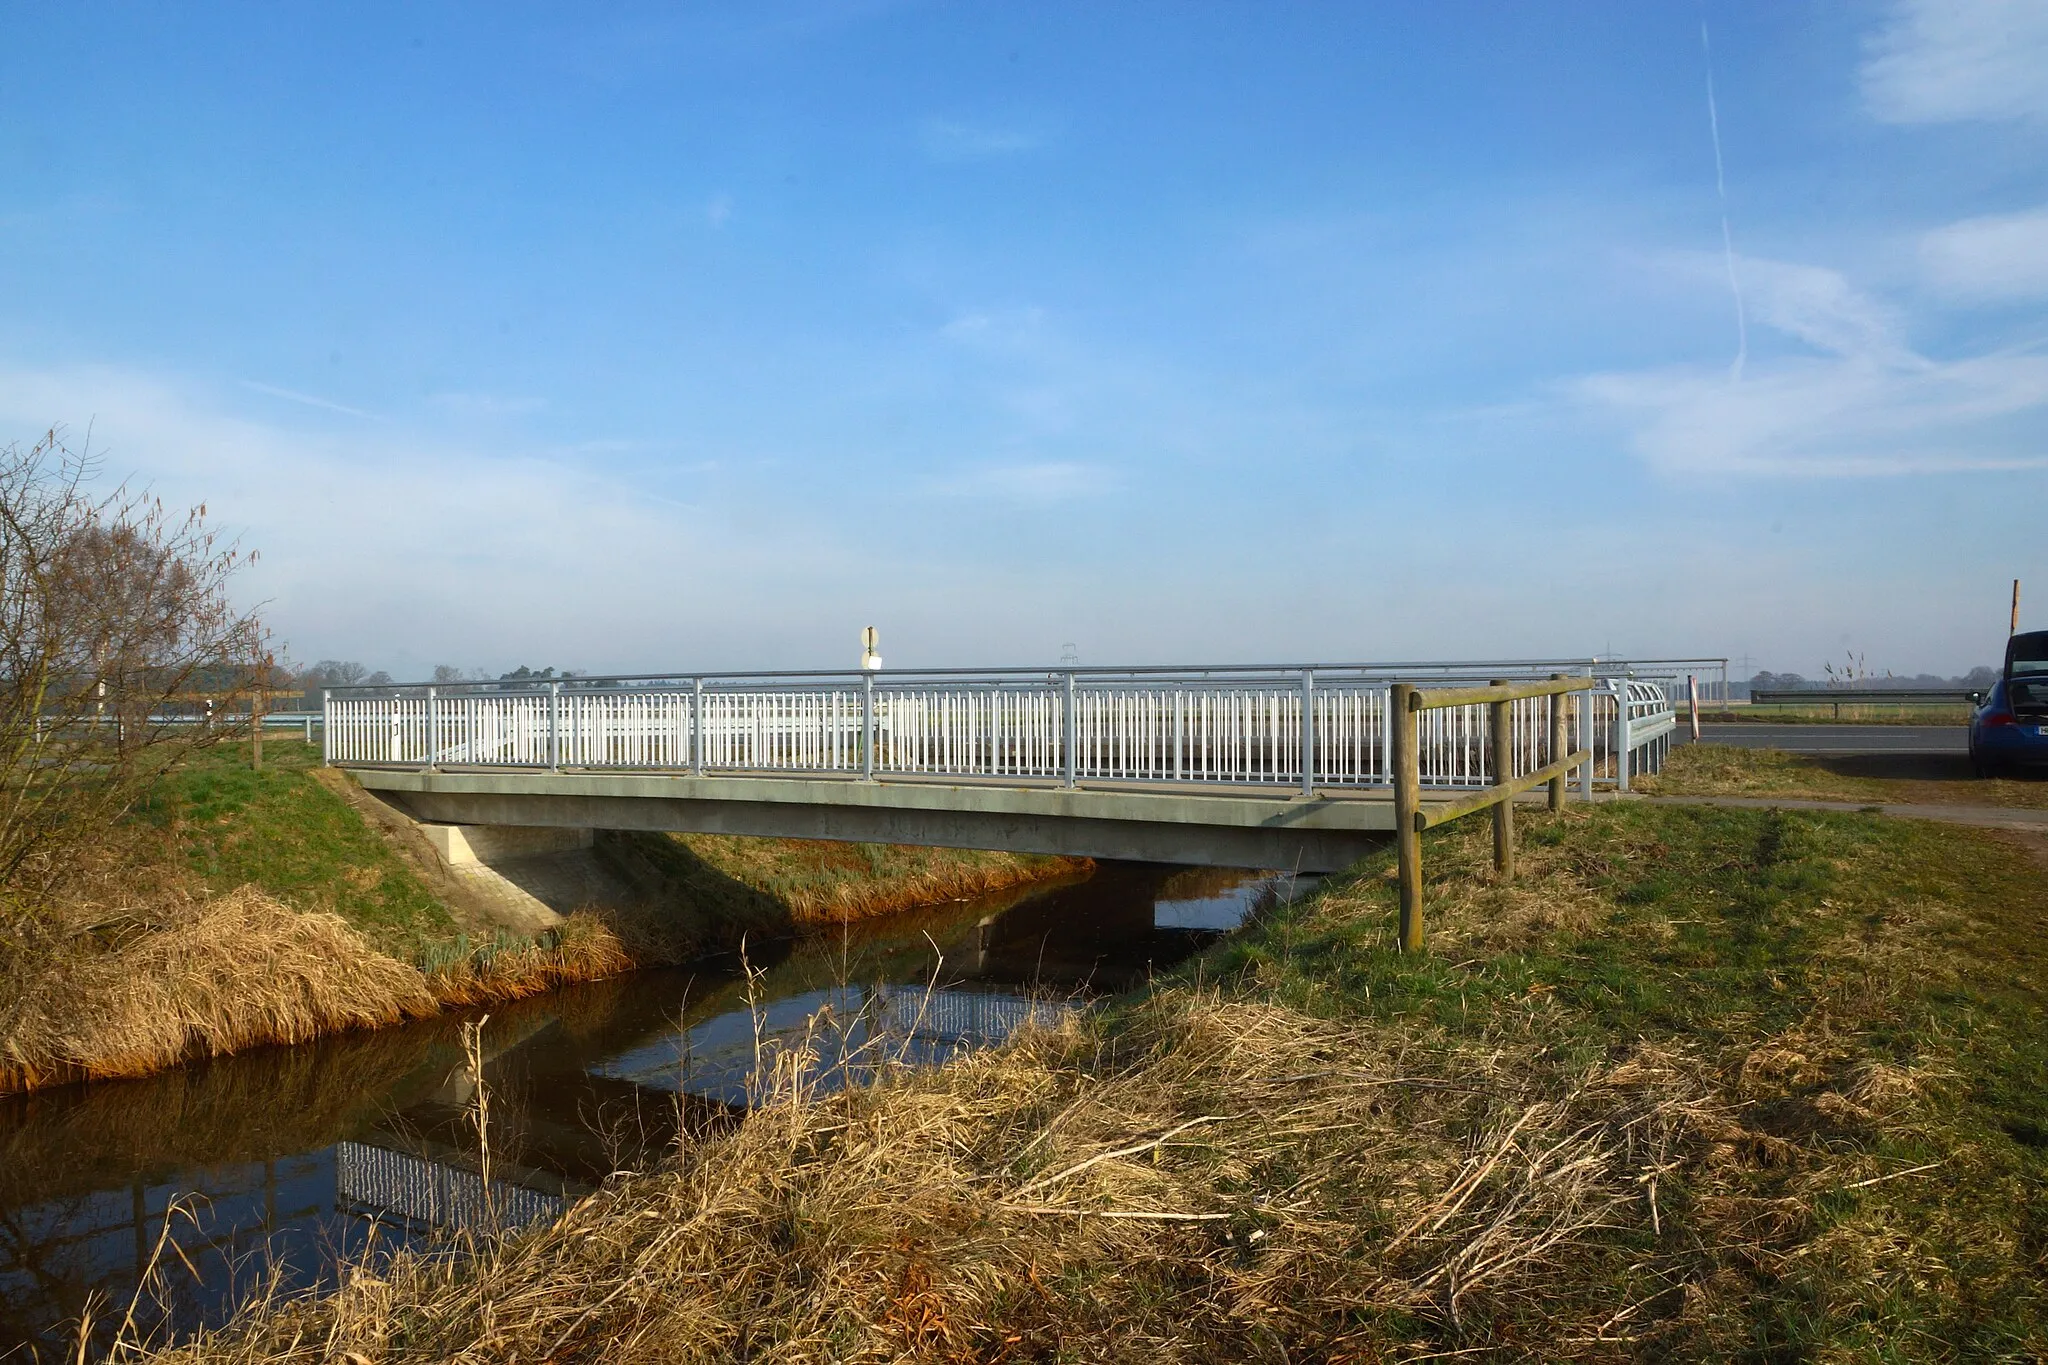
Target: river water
(272, 1167)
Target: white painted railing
(1305, 728)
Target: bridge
(1288, 767)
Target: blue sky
(627, 337)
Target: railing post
(1500, 717)
(1622, 737)
(1072, 741)
(1586, 709)
(1308, 732)
(1180, 726)
(433, 733)
(1560, 743)
(554, 726)
(326, 727)
(1407, 764)
(867, 727)
(697, 727)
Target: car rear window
(2027, 653)
(2029, 696)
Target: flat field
(1880, 779)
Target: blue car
(2009, 728)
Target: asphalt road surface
(1836, 739)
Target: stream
(273, 1167)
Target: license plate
(2042, 731)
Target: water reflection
(271, 1167)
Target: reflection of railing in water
(958, 1018)
(55, 1255)
(378, 1183)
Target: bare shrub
(113, 610)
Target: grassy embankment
(1883, 779)
(1705, 1084)
(239, 908)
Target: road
(1836, 739)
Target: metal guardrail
(1864, 696)
(1307, 728)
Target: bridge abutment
(463, 845)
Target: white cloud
(947, 140)
(1994, 259)
(1048, 482)
(1940, 61)
(401, 549)
(1819, 307)
(1868, 404)
(310, 400)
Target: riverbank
(242, 908)
(1703, 1084)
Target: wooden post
(1560, 741)
(1407, 757)
(256, 731)
(1501, 715)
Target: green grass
(1725, 770)
(1825, 713)
(1793, 957)
(285, 833)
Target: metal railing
(1305, 728)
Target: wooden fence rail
(1410, 816)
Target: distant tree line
(314, 679)
(1976, 679)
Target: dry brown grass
(582, 948)
(210, 977)
(1231, 1176)
(1689, 1091)
(120, 991)
(822, 882)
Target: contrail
(1727, 234)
